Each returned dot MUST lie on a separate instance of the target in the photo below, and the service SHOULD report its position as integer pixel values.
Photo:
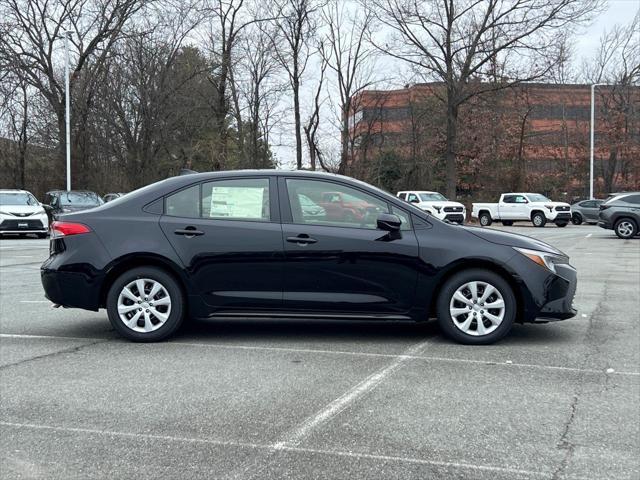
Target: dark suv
(621, 214)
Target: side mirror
(46, 207)
(389, 222)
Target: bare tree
(350, 57)
(313, 122)
(259, 88)
(292, 44)
(37, 25)
(460, 43)
(617, 64)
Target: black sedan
(238, 244)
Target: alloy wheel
(144, 305)
(625, 228)
(477, 308)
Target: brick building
(534, 136)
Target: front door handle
(188, 232)
(302, 239)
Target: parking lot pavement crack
(593, 343)
(75, 349)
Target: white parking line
(231, 443)
(587, 236)
(294, 437)
(427, 358)
(35, 301)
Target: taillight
(64, 229)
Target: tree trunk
(296, 111)
(344, 139)
(450, 152)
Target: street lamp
(593, 88)
(67, 113)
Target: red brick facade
(531, 136)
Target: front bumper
(604, 224)
(24, 225)
(545, 295)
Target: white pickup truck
(518, 207)
(435, 204)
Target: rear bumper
(71, 289)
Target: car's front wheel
(626, 228)
(538, 219)
(145, 304)
(476, 307)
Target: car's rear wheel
(538, 219)
(507, 223)
(485, 219)
(576, 219)
(145, 304)
(626, 228)
(476, 307)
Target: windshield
(536, 197)
(86, 199)
(18, 199)
(432, 197)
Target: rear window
(84, 199)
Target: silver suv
(621, 214)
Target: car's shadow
(309, 331)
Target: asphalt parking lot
(285, 399)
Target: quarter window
(325, 203)
(184, 203)
(238, 199)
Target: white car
(21, 213)
(518, 207)
(435, 204)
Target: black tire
(446, 321)
(507, 223)
(562, 224)
(538, 219)
(485, 219)
(576, 219)
(177, 299)
(625, 228)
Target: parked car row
(21, 213)
(619, 212)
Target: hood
(441, 203)
(555, 204)
(20, 210)
(512, 239)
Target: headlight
(544, 259)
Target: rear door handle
(188, 232)
(302, 239)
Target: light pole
(592, 128)
(67, 112)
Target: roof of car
(417, 191)
(13, 190)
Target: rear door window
(237, 199)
